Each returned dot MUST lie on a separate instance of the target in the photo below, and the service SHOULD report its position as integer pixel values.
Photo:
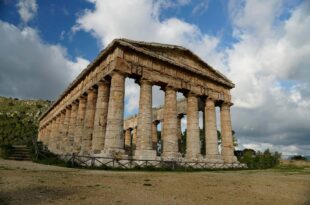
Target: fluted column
(144, 148)
(211, 143)
(114, 139)
(192, 137)
(72, 127)
(79, 126)
(226, 131)
(170, 138)
(101, 114)
(89, 121)
(154, 134)
(66, 129)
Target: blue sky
(263, 46)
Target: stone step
(19, 158)
(20, 152)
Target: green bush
(260, 160)
(5, 150)
(299, 157)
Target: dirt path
(30, 183)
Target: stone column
(51, 142)
(89, 121)
(72, 126)
(114, 139)
(192, 137)
(127, 138)
(144, 148)
(79, 124)
(226, 131)
(179, 130)
(48, 134)
(66, 129)
(134, 138)
(154, 134)
(60, 136)
(170, 138)
(100, 117)
(211, 143)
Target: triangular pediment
(179, 55)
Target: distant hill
(19, 119)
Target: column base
(229, 159)
(193, 157)
(145, 154)
(114, 153)
(213, 157)
(171, 156)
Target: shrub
(260, 160)
(299, 157)
(5, 150)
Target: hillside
(19, 119)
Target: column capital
(226, 104)
(168, 87)
(117, 72)
(103, 82)
(145, 81)
(191, 94)
(82, 98)
(91, 90)
(156, 122)
(181, 115)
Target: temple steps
(20, 152)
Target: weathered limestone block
(89, 121)
(226, 131)
(170, 137)
(101, 114)
(211, 142)
(79, 126)
(114, 139)
(72, 127)
(192, 138)
(144, 148)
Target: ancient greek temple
(88, 117)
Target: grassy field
(31, 183)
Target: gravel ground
(31, 183)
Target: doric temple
(88, 117)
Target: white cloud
(27, 9)
(271, 72)
(30, 68)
